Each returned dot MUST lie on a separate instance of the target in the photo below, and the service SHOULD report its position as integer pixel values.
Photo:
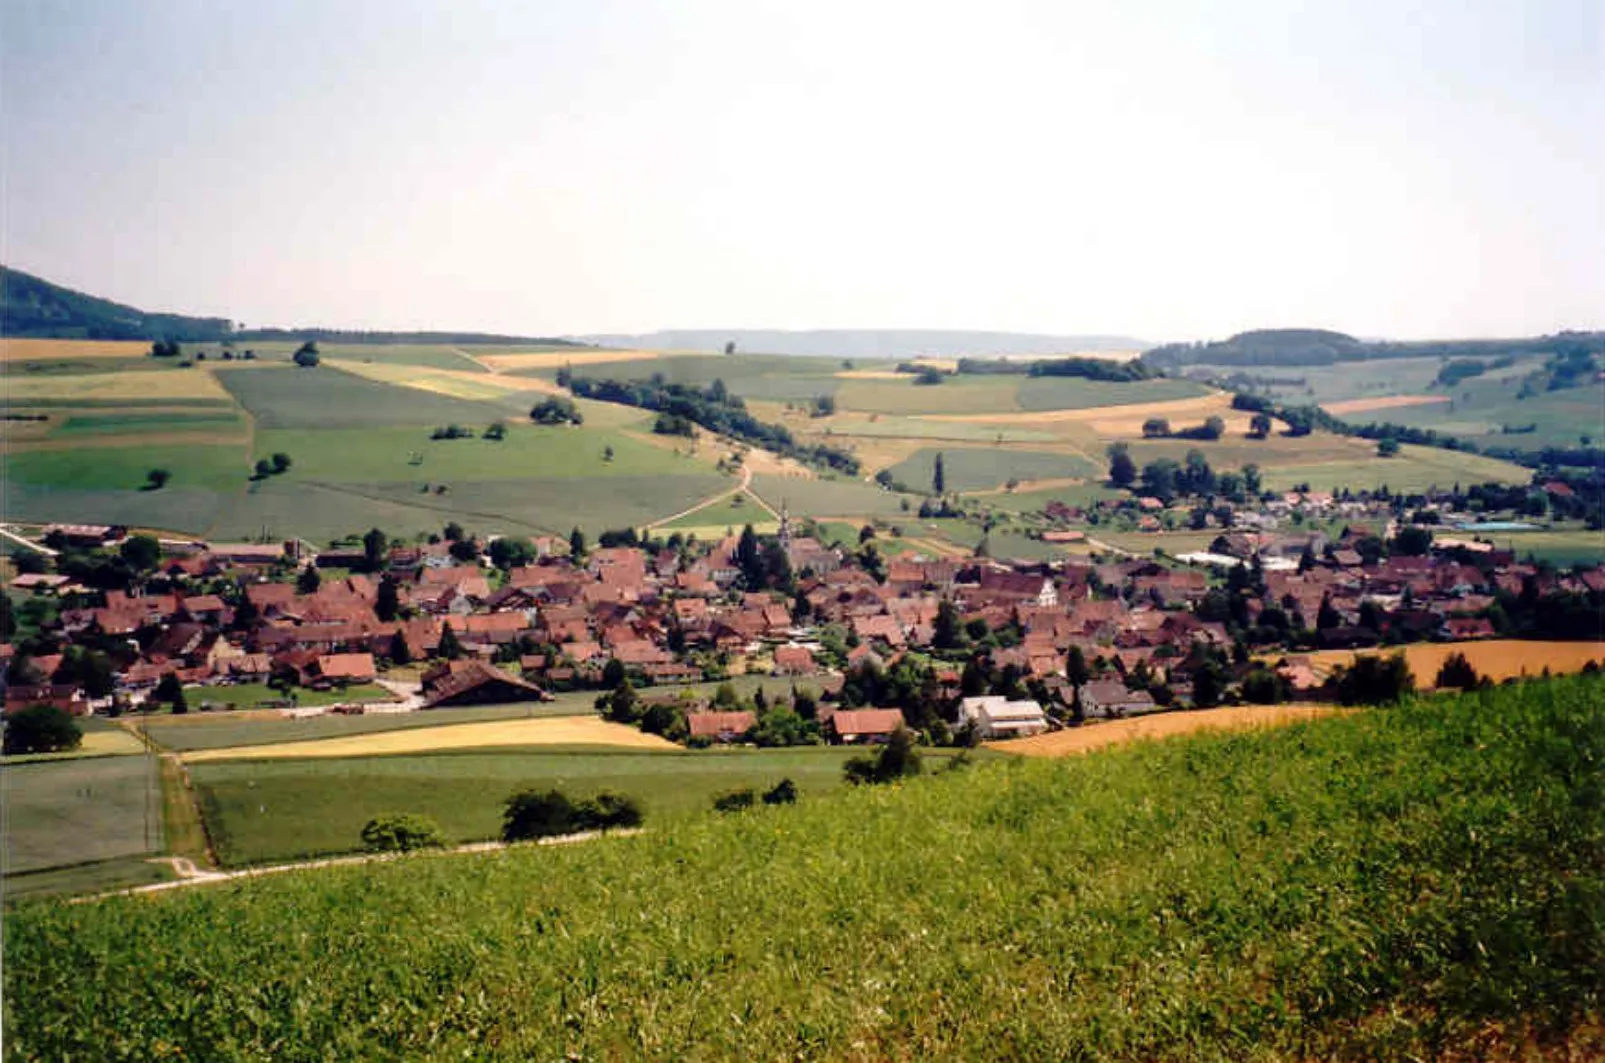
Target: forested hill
(33, 307)
(871, 343)
(1320, 347)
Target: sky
(1170, 170)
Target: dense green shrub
(894, 760)
(531, 814)
(734, 800)
(41, 729)
(1374, 680)
(402, 832)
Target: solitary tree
(1122, 470)
(576, 544)
(938, 476)
(1259, 426)
(1388, 448)
(1155, 428)
(171, 691)
(730, 347)
(306, 356)
(157, 479)
(281, 463)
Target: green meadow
(1409, 883)
(984, 469)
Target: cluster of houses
(236, 614)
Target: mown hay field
(273, 810)
(1419, 882)
(1497, 659)
(1100, 735)
(547, 731)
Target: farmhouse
(1111, 698)
(863, 725)
(996, 716)
(457, 683)
(339, 669)
(721, 726)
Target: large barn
(457, 683)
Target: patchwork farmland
(358, 430)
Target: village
(956, 649)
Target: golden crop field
(113, 387)
(548, 731)
(24, 350)
(1497, 659)
(1093, 736)
(509, 363)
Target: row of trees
(1104, 369)
(1166, 479)
(716, 410)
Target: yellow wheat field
(507, 363)
(104, 387)
(549, 731)
(1160, 725)
(22, 350)
(1497, 659)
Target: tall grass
(1395, 884)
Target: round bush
(41, 729)
(402, 833)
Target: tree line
(714, 409)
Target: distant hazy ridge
(870, 343)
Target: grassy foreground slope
(1392, 884)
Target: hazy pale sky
(1164, 169)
